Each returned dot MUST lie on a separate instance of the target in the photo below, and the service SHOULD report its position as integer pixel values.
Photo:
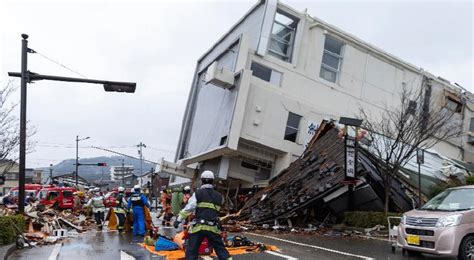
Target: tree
(416, 122)
(10, 129)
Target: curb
(7, 250)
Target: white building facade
(261, 90)
(117, 173)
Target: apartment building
(260, 91)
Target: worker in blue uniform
(138, 202)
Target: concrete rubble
(45, 225)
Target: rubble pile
(312, 189)
(49, 225)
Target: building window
(265, 73)
(332, 57)
(283, 36)
(412, 107)
(250, 166)
(453, 104)
(292, 125)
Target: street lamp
(27, 77)
(77, 158)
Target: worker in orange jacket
(166, 204)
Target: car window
(452, 200)
(67, 193)
(53, 195)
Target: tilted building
(260, 91)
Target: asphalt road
(108, 245)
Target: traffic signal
(102, 164)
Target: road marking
(55, 253)
(281, 255)
(315, 247)
(125, 256)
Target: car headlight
(403, 220)
(449, 221)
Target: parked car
(61, 198)
(443, 226)
(29, 189)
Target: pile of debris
(312, 189)
(48, 225)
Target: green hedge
(363, 219)
(470, 180)
(8, 233)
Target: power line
(60, 64)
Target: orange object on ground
(180, 254)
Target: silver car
(443, 226)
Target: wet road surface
(108, 245)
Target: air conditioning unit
(220, 77)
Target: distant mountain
(97, 172)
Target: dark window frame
(291, 131)
(331, 54)
(288, 56)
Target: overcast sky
(157, 44)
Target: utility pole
(77, 159)
(140, 152)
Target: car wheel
(466, 250)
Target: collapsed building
(312, 188)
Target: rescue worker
(177, 200)
(139, 202)
(120, 207)
(205, 203)
(187, 195)
(166, 204)
(98, 208)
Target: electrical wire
(59, 64)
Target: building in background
(8, 169)
(119, 172)
(260, 91)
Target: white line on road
(315, 247)
(54, 254)
(125, 256)
(281, 255)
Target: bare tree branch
(399, 131)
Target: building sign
(351, 159)
(311, 130)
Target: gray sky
(157, 44)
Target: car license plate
(413, 240)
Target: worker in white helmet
(120, 207)
(187, 194)
(138, 202)
(205, 203)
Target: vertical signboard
(351, 157)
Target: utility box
(220, 77)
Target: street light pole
(27, 77)
(24, 80)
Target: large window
(292, 126)
(332, 58)
(283, 36)
(264, 73)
